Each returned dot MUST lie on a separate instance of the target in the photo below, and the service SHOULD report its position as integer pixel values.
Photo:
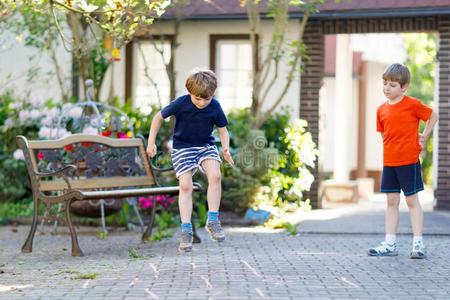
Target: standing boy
(398, 122)
(196, 114)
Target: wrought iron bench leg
(76, 250)
(148, 232)
(102, 211)
(28, 246)
(138, 215)
(58, 215)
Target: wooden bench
(90, 167)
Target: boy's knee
(186, 187)
(393, 200)
(214, 177)
(412, 202)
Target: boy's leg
(185, 206)
(410, 177)
(390, 186)
(185, 197)
(212, 171)
(416, 214)
(392, 215)
(389, 246)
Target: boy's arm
(225, 141)
(154, 128)
(428, 128)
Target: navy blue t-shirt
(194, 126)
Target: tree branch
(147, 75)
(292, 71)
(58, 27)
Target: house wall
(374, 98)
(373, 141)
(193, 52)
(15, 61)
(328, 118)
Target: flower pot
(92, 209)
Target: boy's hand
(422, 140)
(151, 150)
(227, 156)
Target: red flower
(106, 133)
(40, 156)
(68, 147)
(86, 144)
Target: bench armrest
(63, 173)
(154, 168)
(160, 170)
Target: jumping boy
(196, 114)
(398, 122)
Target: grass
(290, 228)
(102, 235)
(86, 276)
(159, 235)
(134, 254)
(277, 223)
(69, 271)
(78, 275)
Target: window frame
(129, 63)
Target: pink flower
(163, 200)
(122, 135)
(145, 202)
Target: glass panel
(151, 84)
(234, 72)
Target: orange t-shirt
(399, 124)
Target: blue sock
(213, 216)
(186, 227)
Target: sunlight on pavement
(7, 288)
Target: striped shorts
(188, 159)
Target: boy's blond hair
(202, 83)
(398, 73)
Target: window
(150, 84)
(233, 63)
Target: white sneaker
(418, 251)
(384, 249)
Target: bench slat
(78, 138)
(96, 183)
(133, 192)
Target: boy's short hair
(398, 73)
(202, 83)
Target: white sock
(391, 239)
(417, 239)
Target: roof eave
(374, 13)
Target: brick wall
(312, 77)
(442, 192)
(311, 81)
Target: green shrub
(272, 164)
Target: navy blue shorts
(407, 178)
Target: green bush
(239, 190)
(272, 164)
